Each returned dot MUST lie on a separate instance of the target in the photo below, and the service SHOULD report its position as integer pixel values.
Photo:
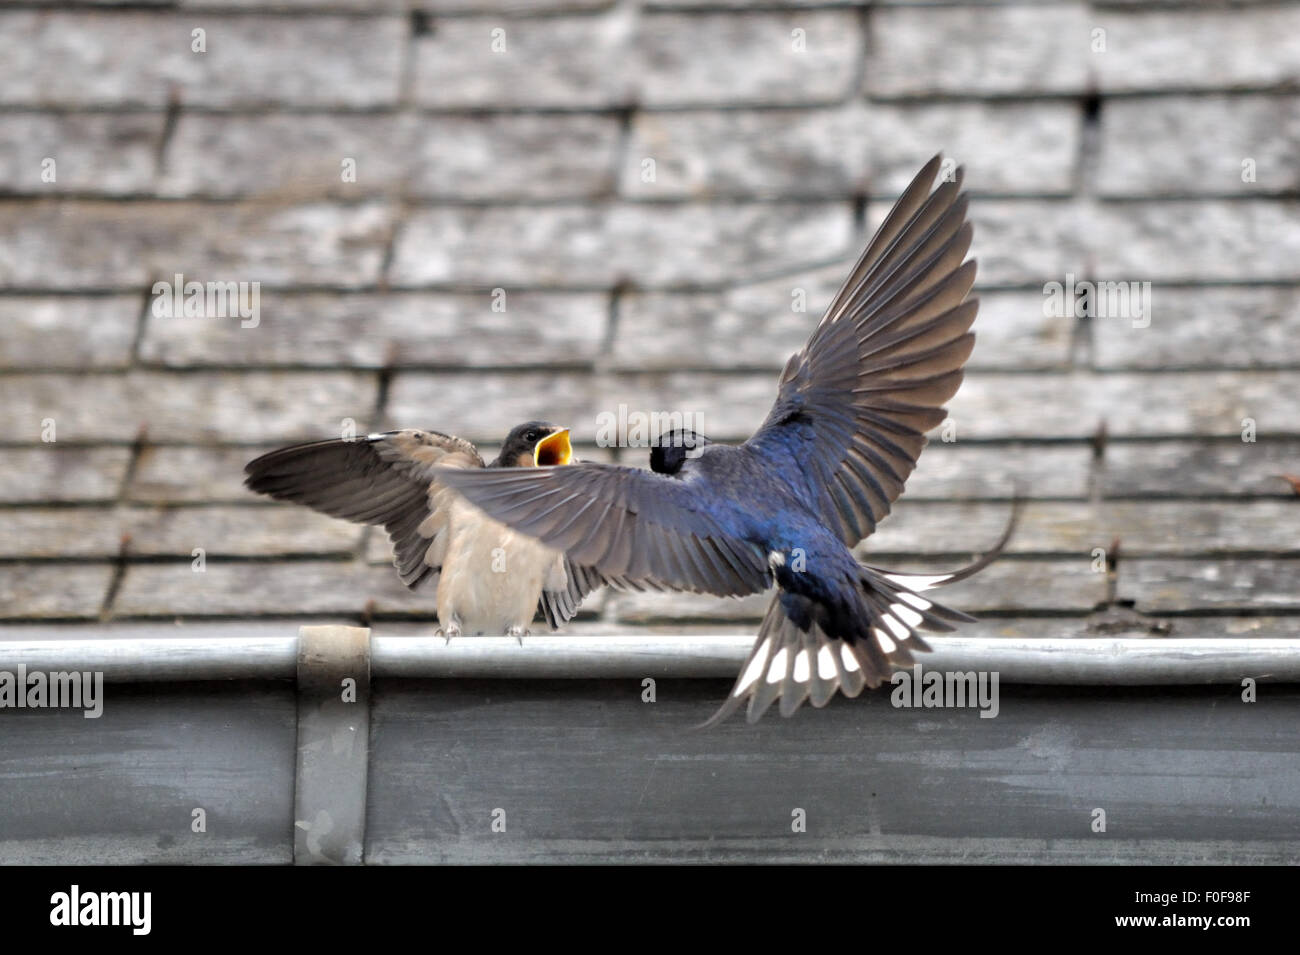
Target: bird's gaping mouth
(553, 449)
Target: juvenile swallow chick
(489, 578)
(786, 507)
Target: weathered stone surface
(1024, 242)
(287, 153)
(80, 532)
(962, 528)
(745, 326)
(305, 6)
(1196, 241)
(1227, 145)
(188, 475)
(1174, 528)
(725, 407)
(453, 330)
(77, 245)
(53, 591)
(251, 531)
(1012, 148)
(483, 408)
(1257, 585)
(295, 588)
(1010, 586)
(289, 588)
(1229, 468)
(68, 332)
(1072, 404)
(756, 326)
(745, 4)
(1199, 49)
(569, 62)
(601, 245)
(439, 7)
(656, 59)
(56, 473)
(85, 58)
(1211, 327)
(1015, 331)
(217, 406)
(1187, 528)
(498, 157)
(658, 608)
(699, 154)
(493, 157)
(963, 470)
(785, 57)
(990, 405)
(984, 50)
(92, 153)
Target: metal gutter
(1082, 661)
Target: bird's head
(535, 444)
(673, 448)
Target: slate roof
(504, 144)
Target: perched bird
(489, 578)
(786, 506)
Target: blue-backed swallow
(489, 579)
(786, 506)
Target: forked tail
(795, 659)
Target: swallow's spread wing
(855, 403)
(560, 600)
(630, 526)
(384, 479)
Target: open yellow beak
(553, 449)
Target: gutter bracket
(329, 800)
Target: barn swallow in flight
(489, 578)
(786, 506)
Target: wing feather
(856, 401)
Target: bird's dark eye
(531, 436)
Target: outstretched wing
(632, 527)
(383, 479)
(559, 604)
(854, 405)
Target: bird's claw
(449, 631)
(518, 633)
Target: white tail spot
(850, 661)
(919, 603)
(801, 669)
(755, 667)
(918, 581)
(900, 631)
(777, 670)
(882, 638)
(825, 663)
(907, 615)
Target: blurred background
(460, 215)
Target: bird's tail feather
(796, 661)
